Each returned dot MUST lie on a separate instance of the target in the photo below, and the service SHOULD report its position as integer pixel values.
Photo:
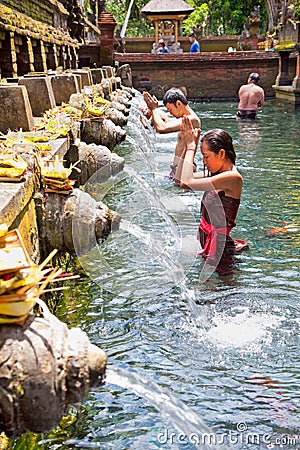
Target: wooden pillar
(55, 56)
(156, 31)
(68, 58)
(13, 54)
(30, 54)
(71, 53)
(64, 56)
(43, 56)
(176, 31)
(74, 58)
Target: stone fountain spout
(44, 369)
(75, 223)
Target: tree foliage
(138, 26)
(214, 17)
(198, 18)
(297, 9)
(229, 16)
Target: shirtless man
(176, 103)
(251, 98)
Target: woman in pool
(222, 184)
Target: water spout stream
(173, 268)
(147, 155)
(181, 416)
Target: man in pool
(251, 98)
(177, 104)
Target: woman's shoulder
(233, 174)
(231, 182)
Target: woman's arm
(229, 181)
(189, 137)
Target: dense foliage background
(214, 17)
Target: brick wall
(207, 76)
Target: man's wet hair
(173, 95)
(254, 77)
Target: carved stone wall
(50, 12)
(34, 37)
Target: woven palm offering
(21, 280)
(56, 177)
(12, 166)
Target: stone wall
(208, 76)
(89, 55)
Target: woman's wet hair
(173, 95)
(218, 139)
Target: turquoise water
(226, 347)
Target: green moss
(284, 45)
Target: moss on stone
(284, 45)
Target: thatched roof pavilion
(158, 11)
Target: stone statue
(249, 38)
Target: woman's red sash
(210, 247)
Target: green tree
(138, 26)
(297, 9)
(215, 17)
(229, 16)
(198, 19)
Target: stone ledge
(202, 56)
(287, 93)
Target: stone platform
(287, 94)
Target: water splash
(242, 330)
(148, 156)
(140, 132)
(163, 255)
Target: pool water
(227, 347)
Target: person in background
(222, 184)
(195, 46)
(251, 98)
(177, 104)
(162, 48)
